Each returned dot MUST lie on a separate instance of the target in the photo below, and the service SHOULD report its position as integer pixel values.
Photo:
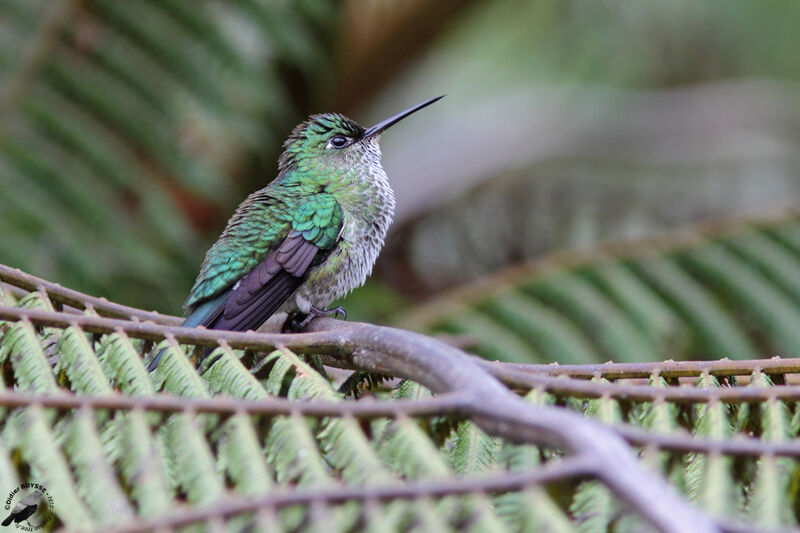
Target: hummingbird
(306, 239)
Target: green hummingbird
(309, 237)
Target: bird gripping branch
(309, 237)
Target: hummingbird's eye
(338, 142)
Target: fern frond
(78, 361)
(766, 305)
(229, 376)
(587, 306)
(292, 451)
(346, 447)
(494, 341)
(530, 510)
(716, 330)
(194, 465)
(6, 298)
(343, 442)
(32, 370)
(659, 417)
(480, 515)
(426, 516)
(555, 338)
(770, 504)
(241, 456)
(96, 482)
(660, 324)
(141, 465)
(123, 364)
(708, 476)
(8, 474)
(410, 451)
(178, 373)
(474, 451)
(593, 507)
(37, 445)
(593, 504)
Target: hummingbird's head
(328, 139)
(332, 140)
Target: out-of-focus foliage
(128, 130)
(731, 292)
(570, 123)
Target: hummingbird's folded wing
(261, 292)
(315, 227)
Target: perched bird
(309, 237)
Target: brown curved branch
(333, 343)
(452, 404)
(578, 388)
(528, 377)
(666, 369)
(687, 443)
(568, 468)
(500, 412)
(298, 342)
(325, 343)
(443, 369)
(79, 300)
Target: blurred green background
(129, 131)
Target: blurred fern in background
(726, 290)
(129, 129)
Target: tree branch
(570, 467)
(667, 369)
(502, 413)
(443, 369)
(451, 404)
(79, 300)
(576, 388)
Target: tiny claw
(315, 312)
(338, 310)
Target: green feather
(260, 225)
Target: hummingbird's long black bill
(391, 121)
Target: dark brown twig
(579, 388)
(687, 443)
(568, 468)
(332, 343)
(366, 409)
(667, 369)
(79, 300)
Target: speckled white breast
(368, 203)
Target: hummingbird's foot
(297, 321)
(315, 312)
